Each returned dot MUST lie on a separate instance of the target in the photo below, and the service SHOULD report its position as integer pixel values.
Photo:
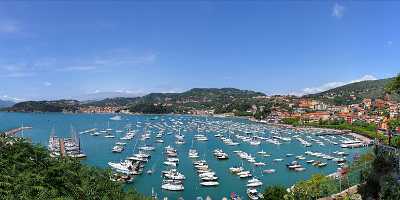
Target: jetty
(14, 131)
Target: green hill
(356, 92)
(219, 99)
(46, 106)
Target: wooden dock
(14, 131)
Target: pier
(14, 131)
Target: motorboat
(209, 183)
(269, 171)
(117, 149)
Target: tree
(316, 187)
(390, 189)
(275, 192)
(393, 86)
(383, 166)
(28, 172)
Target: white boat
(174, 175)
(193, 153)
(236, 169)
(117, 149)
(253, 194)
(209, 183)
(269, 171)
(258, 164)
(254, 183)
(116, 118)
(172, 187)
(170, 163)
(123, 167)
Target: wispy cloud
(388, 43)
(338, 11)
(18, 74)
(17, 70)
(9, 26)
(115, 59)
(110, 59)
(9, 98)
(47, 84)
(103, 61)
(77, 68)
(331, 85)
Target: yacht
(253, 194)
(117, 149)
(209, 183)
(269, 171)
(254, 183)
(236, 170)
(193, 153)
(172, 186)
(258, 164)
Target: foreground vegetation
(381, 181)
(28, 172)
(376, 174)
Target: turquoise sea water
(98, 148)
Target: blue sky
(66, 50)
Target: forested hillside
(356, 92)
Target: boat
(209, 183)
(269, 171)
(236, 170)
(193, 153)
(171, 186)
(174, 175)
(254, 183)
(174, 164)
(299, 169)
(116, 118)
(253, 194)
(117, 149)
(258, 164)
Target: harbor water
(99, 148)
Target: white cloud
(389, 43)
(9, 26)
(338, 11)
(18, 74)
(8, 98)
(78, 68)
(118, 59)
(331, 85)
(47, 84)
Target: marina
(198, 156)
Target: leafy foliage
(28, 172)
(384, 169)
(316, 187)
(275, 192)
(394, 85)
